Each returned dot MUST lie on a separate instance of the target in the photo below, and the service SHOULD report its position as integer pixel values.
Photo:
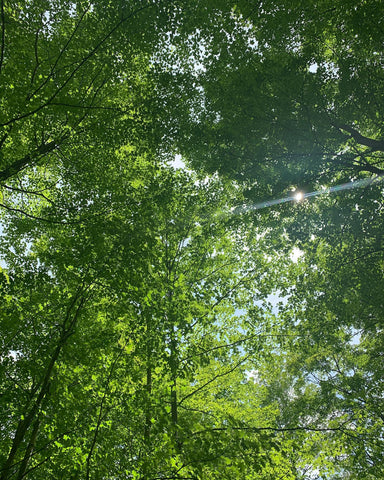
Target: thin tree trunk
(25, 422)
(29, 451)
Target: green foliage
(139, 334)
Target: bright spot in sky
(313, 68)
(178, 162)
(295, 254)
(299, 196)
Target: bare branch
(37, 64)
(100, 415)
(34, 217)
(238, 342)
(277, 429)
(28, 192)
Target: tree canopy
(169, 308)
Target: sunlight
(299, 196)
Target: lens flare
(299, 196)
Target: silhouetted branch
(373, 144)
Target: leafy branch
(213, 379)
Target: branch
(215, 378)
(82, 62)
(367, 167)
(87, 107)
(367, 254)
(29, 450)
(227, 345)
(36, 466)
(2, 34)
(67, 329)
(34, 217)
(189, 409)
(215, 270)
(36, 57)
(16, 382)
(28, 192)
(44, 447)
(100, 416)
(19, 165)
(275, 429)
(226, 294)
(238, 342)
(174, 477)
(60, 54)
(374, 145)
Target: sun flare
(299, 196)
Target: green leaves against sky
(155, 324)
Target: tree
(334, 317)
(300, 108)
(137, 340)
(139, 327)
(290, 95)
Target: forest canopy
(191, 240)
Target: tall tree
(133, 341)
(289, 94)
(137, 309)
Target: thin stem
(2, 16)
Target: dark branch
(237, 342)
(34, 217)
(60, 55)
(276, 429)
(19, 165)
(87, 107)
(28, 192)
(37, 64)
(374, 145)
